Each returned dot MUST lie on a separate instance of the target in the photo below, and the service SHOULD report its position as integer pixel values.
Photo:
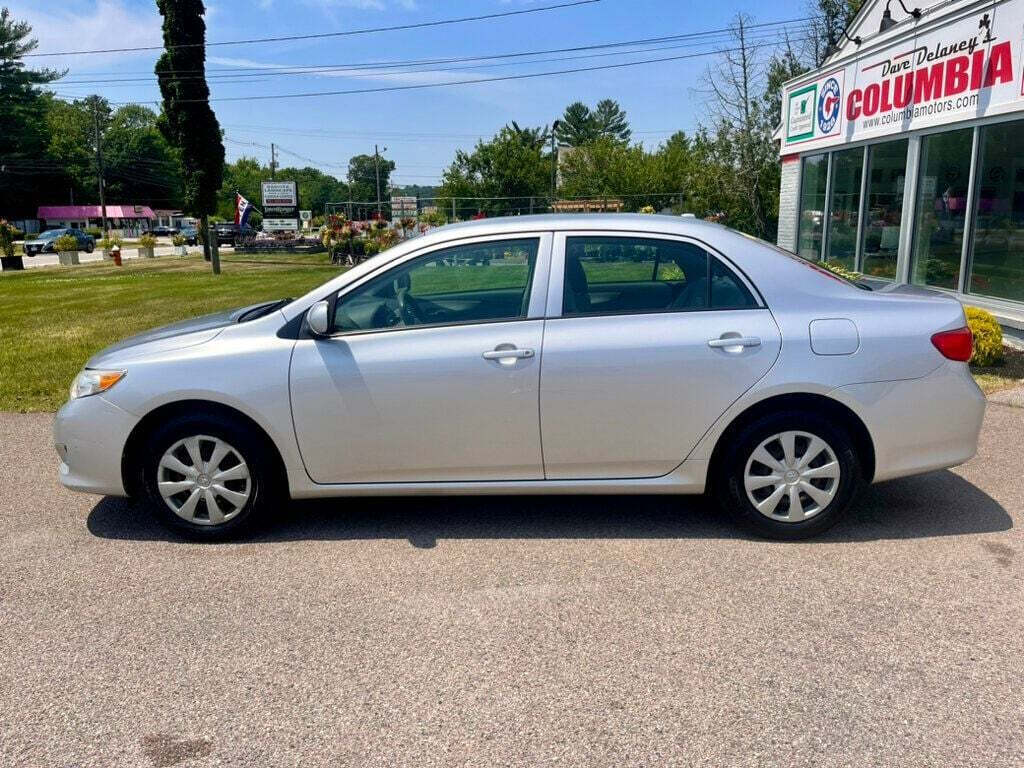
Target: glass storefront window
(997, 267)
(813, 176)
(887, 170)
(941, 208)
(844, 206)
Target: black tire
(89, 247)
(266, 488)
(728, 475)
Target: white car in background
(537, 354)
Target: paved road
(515, 632)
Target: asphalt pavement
(515, 631)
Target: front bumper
(90, 434)
(919, 425)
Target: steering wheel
(408, 310)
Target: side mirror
(318, 318)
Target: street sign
(280, 206)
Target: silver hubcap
(791, 476)
(204, 480)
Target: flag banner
(242, 210)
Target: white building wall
(789, 204)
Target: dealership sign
(967, 68)
(280, 206)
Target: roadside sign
(402, 206)
(280, 206)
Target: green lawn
(52, 319)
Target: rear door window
(621, 275)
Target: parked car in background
(163, 230)
(678, 357)
(44, 243)
(229, 233)
(191, 235)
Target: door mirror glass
(318, 319)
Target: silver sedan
(550, 354)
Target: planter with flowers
(107, 245)
(179, 245)
(146, 245)
(66, 247)
(7, 258)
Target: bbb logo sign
(829, 102)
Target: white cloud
(90, 25)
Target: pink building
(128, 219)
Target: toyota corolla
(551, 354)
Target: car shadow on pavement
(937, 504)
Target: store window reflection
(941, 208)
(844, 206)
(813, 176)
(887, 170)
(997, 267)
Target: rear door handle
(508, 354)
(728, 342)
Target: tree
(140, 166)
(188, 122)
(514, 173)
(829, 18)
(577, 126)
(24, 171)
(610, 120)
(362, 175)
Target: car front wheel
(207, 477)
(789, 475)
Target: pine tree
(610, 121)
(188, 122)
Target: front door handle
(734, 343)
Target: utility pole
(554, 164)
(99, 167)
(376, 168)
(273, 160)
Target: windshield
(52, 233)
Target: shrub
(988, 337)
(147, 241)
(6, 239)
(65, 243)
(647, 209)
(837, 268)
(371, 247)
(108, 243)
(178, 239)
(94, 232)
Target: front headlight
(90, 382)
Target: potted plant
(107, 246)
(179, 243)
(7, 258)
(146, 245)
(66, 247)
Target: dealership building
(903, 154)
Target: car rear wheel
(207, 477)
(789, 475)
(89, 247)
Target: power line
(476, 81)
(275, 70)
(324, 35)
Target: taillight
(955, 345)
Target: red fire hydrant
(115, 254)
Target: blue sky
(421, 128)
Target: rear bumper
(90, 434)
(919, 425)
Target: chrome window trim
(557, 273)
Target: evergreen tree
(610, 121)
(188, 122)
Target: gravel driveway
(577, 631)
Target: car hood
(187, 333)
